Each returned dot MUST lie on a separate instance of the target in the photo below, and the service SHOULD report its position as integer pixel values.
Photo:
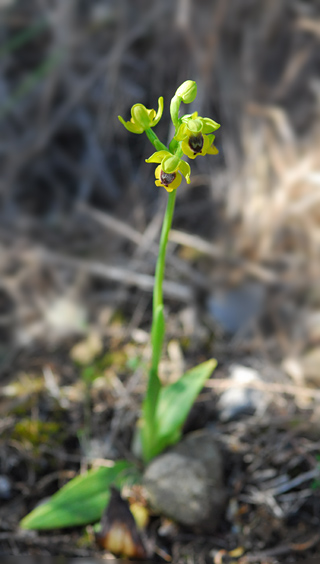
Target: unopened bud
(187, 91)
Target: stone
(186, 482)
(240, 399)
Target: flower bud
(187, 91)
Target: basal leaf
(82, 500)
(176, 400)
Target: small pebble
(241, 400)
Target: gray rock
(186, 484)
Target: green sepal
(170, 164)
(130, 126)
(141, 116)
(209, 125)
(211, 138)
(157, 157)
(195, 125)
(185, 169)
(182, 132)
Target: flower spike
(142, 118)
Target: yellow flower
(168, 172)
(193, 132)
(142, 118)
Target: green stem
(159, 274)
(155, 140)
(157, 334)
(174, 110)
(149, 430)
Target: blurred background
(251, 215)
(81, 215)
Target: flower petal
(207, 142)
(157, 172)
(211, 138)
(159, 112)
(151, 115)
(208, 147)
(212, 150)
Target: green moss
(32, 433)
(115, 359)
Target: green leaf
(82, 500)
(175, 402)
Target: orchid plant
(165, 407)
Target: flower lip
(169, 181)
(196, 143)
(167, 178)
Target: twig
(281, 549)
(290, 484)
(215, 251)
(145, 242)
(117, 274)
(270, 387)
